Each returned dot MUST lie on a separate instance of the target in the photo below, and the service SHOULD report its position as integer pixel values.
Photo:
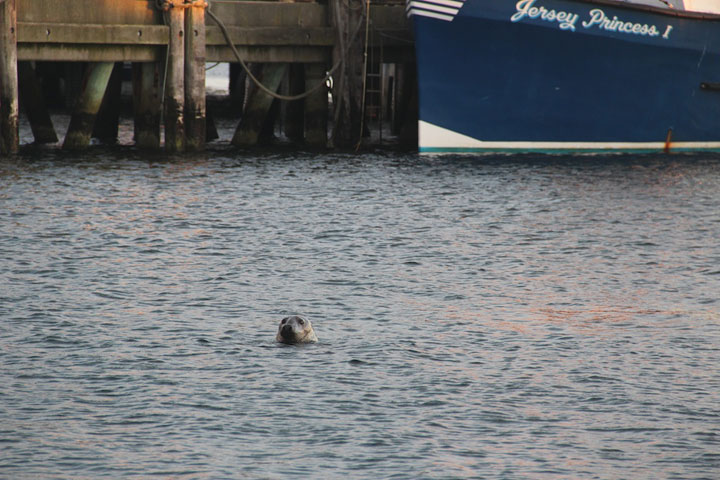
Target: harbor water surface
(488, 317)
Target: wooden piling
(316, 107)
(237, 81)
(211, 132)
(33, 102)
(146, 104)
(48, 75)
(195, 108)
(88, 103)
(108, 117)
(258, 105)
(9, 108)
(293, 123)
(72, 76)
(172, 33)
(175, 82)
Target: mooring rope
(165, 5)
(287, 98)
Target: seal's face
(295, 329)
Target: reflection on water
(489, 317)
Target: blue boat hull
(508, 75)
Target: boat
(567, 75)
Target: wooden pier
(74, 54)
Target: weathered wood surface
(271, 44)
(89, 53)
(108, 12)
(269, 54)
(275, 33)
(101, 30)
(195, 108)
(278, 14)
(270, 35)
(9, 93)
(133, 30)
(146, 79)
(175, 83)
(88, 33)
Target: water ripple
(478, 318)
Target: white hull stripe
(425, 13)
(432, 138)
(440, 9)
(456, 4)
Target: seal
(295, 329)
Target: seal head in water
(295, 329)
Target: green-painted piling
(95, 83)
(258, 105)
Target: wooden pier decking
(289, 47)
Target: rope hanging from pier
(287, 98)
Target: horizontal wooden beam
(262, 31)
(391, 38)
(90, 53)
(109, 12)
(254, 36)
(389, 17)
(92, 34)
(158, 35)
(269, 54)
(273, 14)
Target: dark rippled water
(503, 317)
